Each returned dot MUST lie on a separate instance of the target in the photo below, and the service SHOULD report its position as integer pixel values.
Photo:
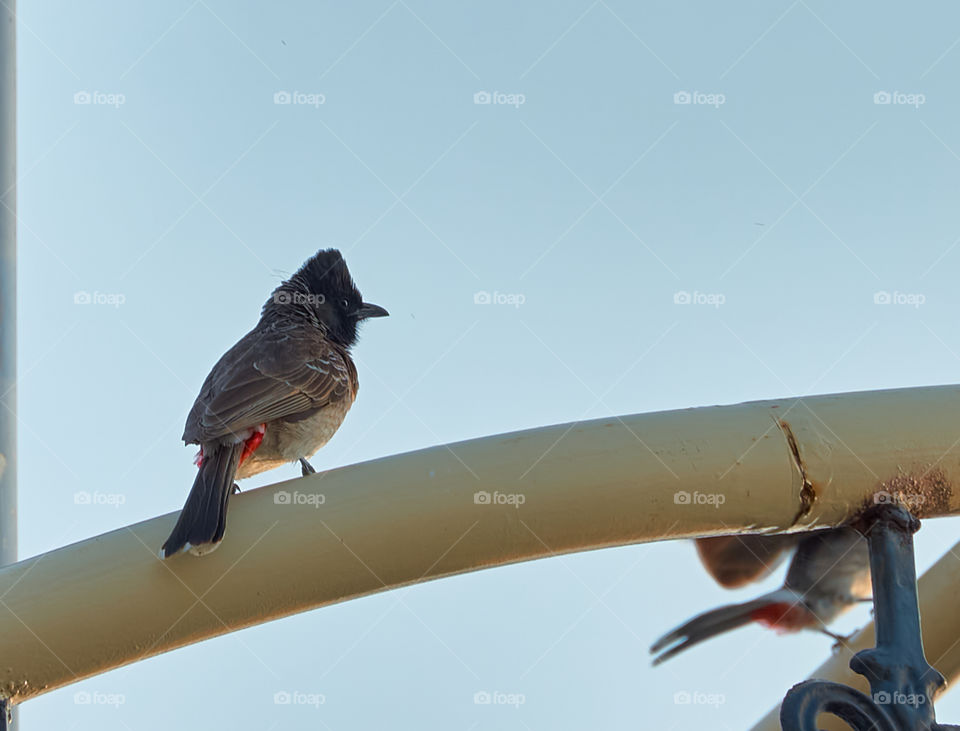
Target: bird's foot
(235, 489)
(306, 468)
(841, 641)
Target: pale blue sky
(184, 188)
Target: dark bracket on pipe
(902, 683)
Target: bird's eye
(345, 303)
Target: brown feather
(270, 375)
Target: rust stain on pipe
(808, 494)
(922, 492)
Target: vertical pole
(8, 292)
(902, 682)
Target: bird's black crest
(320, 292)
(324, 272)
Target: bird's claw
(840, 641)
(306, 468)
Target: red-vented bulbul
(829, 573)
(276, 396)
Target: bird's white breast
(286, 441)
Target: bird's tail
(709, 624)
(204, 516)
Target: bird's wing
(832, 561)
(734, 561)
(269, 375)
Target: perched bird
(829, 573)
(276, 396)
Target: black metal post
(902, 683)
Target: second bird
(829, 573)
(276, 396)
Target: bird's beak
(368, 310)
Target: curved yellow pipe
(790, 464)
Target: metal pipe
(8, 286)
(775, 465)
(8, 294)
(902, 683)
